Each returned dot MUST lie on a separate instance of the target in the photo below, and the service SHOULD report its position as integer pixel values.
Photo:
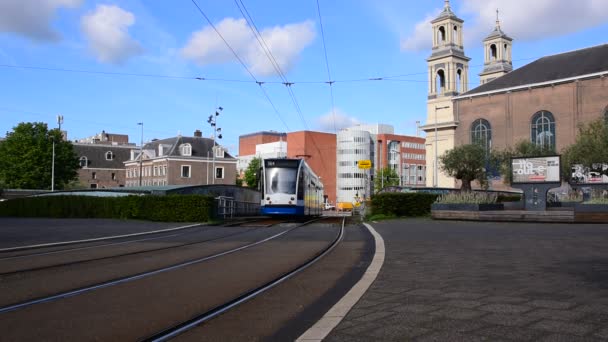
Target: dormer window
(219, 152)
(109, 155)
(185, 150)
(84, 162)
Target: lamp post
(436, 174)
(212, 120)
(141, 151)
(59, 122)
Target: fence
(228, 208)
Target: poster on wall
(536, 170)
(595, 174)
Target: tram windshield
(281, 180)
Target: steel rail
(195, 321)
(127, 279)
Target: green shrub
(402, 204)
(174, 208)
(597, 201)
(380, 217)
(468, 198)
(508, 198)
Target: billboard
(536, 170)
(597, 173)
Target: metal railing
(228, 207)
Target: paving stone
(505, 308)
(425, 292)
(415, 308)
(466, 304)
(359, 328)
(463, 295)
(510, 333)
(568, 338)
(341, 337)
(358, 312)
(578, 329)
(455, 325)
(411, 319)
(457, 313)
(551, 304)
(563, 315)
(443, 336)
(593, 308)
(550, 296)
(397, 332)
(602, 333)
(504, 299)
(510, 320)
(374, 316)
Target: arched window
(440, 82)
(481, 133)
(185, 149)
(441, 35)
(505, 54)
(455, 39)
(84, 161)
(459, 85)
(109, 155)
(542, 129)
(493, 52)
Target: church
(543, 102)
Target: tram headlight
(292, 198)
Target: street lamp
(59, 122)
(141, 151)
(212, 120)
(436, 174)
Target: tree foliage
(385, 177)
(26, 158)
(591, 147)
(524, 148)
(252, 173)
(466, 163)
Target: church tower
(497, 54)
(448, 77)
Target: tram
(290, 188)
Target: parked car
(329, 206)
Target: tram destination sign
(536, 170)
(597, 173)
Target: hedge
(403, 204)
(173, 208)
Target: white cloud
(32, 18)
(521, 19)
(285, 42)
(106, 30)
(331, 122)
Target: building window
(84, 162)
(164, 170)
(185, 171)
(440, 82)
(219, 173)
(109, 155)
(93, 186)
(542, 131)
(481, 134)
(441, 35)
(113, 176)
(94, 175)
(493, 52)
(185, 150)
(219, 152)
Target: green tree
(252, 173)
(466, 163)
(26, 158)
(591, 147)
(501, 159)
(385, 177)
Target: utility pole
(212, 120)
(141, 151)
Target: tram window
(301, 185)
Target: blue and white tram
(290, 187)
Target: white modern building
(277, 149)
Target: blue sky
(172, 41)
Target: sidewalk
(475, 281)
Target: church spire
(447, 4)
(497, 60)
(497, 21)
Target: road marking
(63, 243)
(335, 315)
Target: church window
(456, 35)
(493, 53)
(441, 35)
(459, 84)
(440, 82)
(542, 132)
(481, 133)
(505, 52)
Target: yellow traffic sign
(364, 164)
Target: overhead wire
(329, 78)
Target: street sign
(364, 164)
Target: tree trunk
(466, 184)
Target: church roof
(551, 68)
(447, 14)
(497, 33)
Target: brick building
(404, 154)
(181, 161)
(102, 162)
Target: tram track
(195, 321)
(122, 280)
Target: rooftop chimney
(198, 133)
